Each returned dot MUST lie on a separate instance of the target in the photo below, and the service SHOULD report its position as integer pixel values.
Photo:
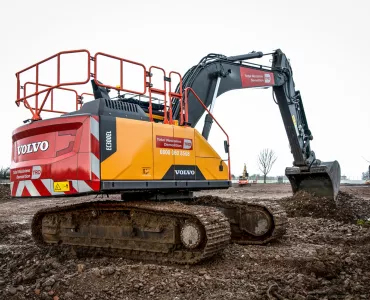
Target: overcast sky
(327, 43)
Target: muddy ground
(325, 254)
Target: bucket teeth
(322, 180)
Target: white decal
(36, 172)
(108, 140)
(174, 152)
(255, 77)
(188, 144)
(267, 78)
(33, 147)
(185, 172)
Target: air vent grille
(119, 105)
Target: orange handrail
(51, 98)
(173, 94)
(47, 89)
(36, 111)
(162, 92)
(122, 60)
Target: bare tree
(266, 159)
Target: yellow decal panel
(133, 159)
(61, 186)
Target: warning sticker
(61, 186)
(294, 120)
(295, 124)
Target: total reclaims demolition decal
(26, 173)
(256, 78)
(170, 142)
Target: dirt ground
(325, 254)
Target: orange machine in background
(244, 179)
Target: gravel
(324, 255)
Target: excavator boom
(216, 74)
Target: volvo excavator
(142, 145)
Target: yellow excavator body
(149, 151)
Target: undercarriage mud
(162, 232)
(252, 222)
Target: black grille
(119, 105)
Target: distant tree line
(4, 173)
(365, 175)
(260, 177)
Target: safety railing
(172, 94)
(43, 92)
(36, 109)
(158, 91)
(121, 86)
(27, 105)
(185, 120)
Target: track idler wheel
(256, 223)
(191, 235)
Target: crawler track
(244, 215)
(135, 230)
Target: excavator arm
(216, 74)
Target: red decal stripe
(25, 192)
(15, 187)
(94, 177)
(94, 185)
(41, 188)
(95, 146)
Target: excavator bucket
(322, 180)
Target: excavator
(244, 179)
(142, 147)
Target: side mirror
(226, 146)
